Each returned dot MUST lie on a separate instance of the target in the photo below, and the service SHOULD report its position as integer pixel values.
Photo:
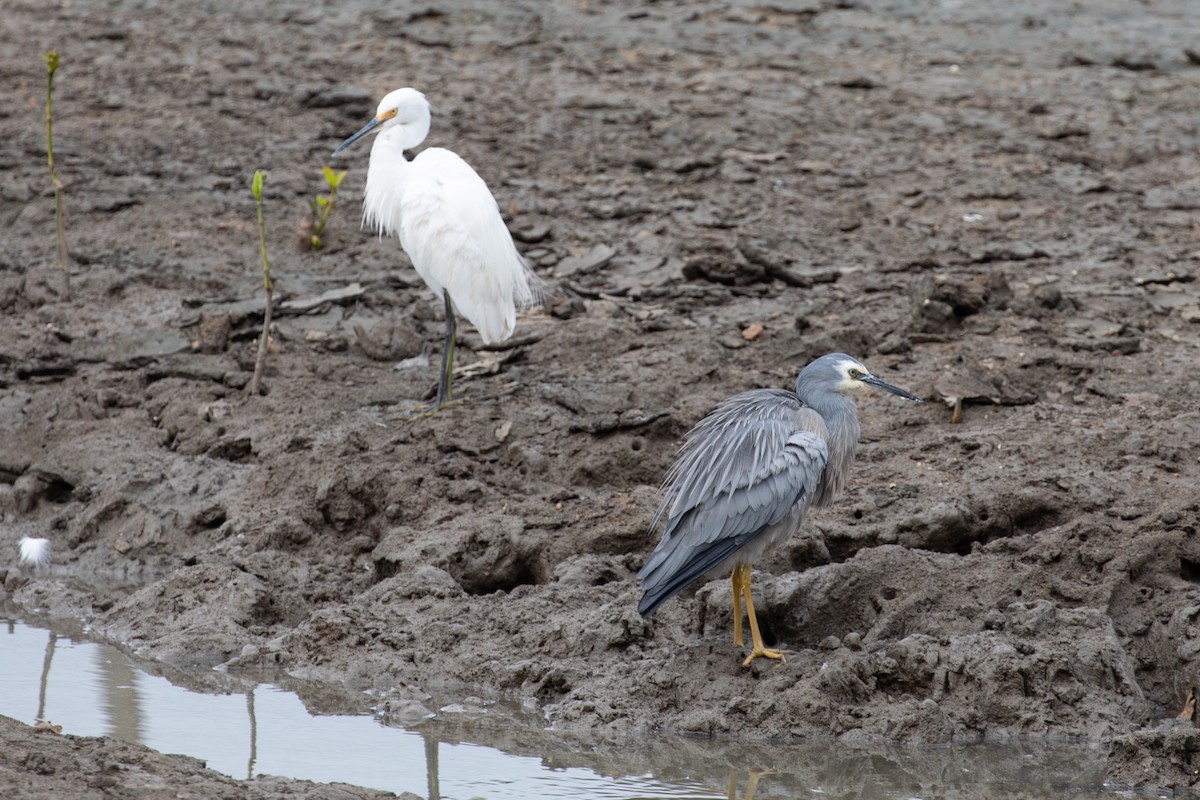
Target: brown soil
(987, 201)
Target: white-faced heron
(747, 474)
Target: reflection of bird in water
(747, 474)
(448, 223)
(751, 783)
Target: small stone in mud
(532, 234)
(389, 340)
(751, 332)
(583, 263)
(1048, 296)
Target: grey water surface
(241, 728)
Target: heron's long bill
(363, 131)
(871, 380)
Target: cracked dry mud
(993, 205)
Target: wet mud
(993, 205)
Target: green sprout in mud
(51, 58)
(322, 206)
(256, 186)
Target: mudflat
(992, 205)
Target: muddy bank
(989, 206)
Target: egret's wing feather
(451, 228)
(741, 470)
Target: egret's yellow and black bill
(363, 131)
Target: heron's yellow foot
(764, 652)
(742, 576)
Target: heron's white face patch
(852, 373)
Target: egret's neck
(389, 147)
(404, 136)
(384, 193)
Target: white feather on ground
(35, 551)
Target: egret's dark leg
(444, 383)
(755, 636)
(445, 380)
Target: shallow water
(242, 728)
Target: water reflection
(122, 700)
(244, 728)
(41, 712)
(433, 792)
(253, 732)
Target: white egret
(448, 223)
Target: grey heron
(745, 477)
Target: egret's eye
(854, 372)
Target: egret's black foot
(433, 408)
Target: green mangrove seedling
(321, 207)
(51, 58)
(256, 186)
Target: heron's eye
(854, 373)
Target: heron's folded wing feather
(704, 536)
(733, 445)
(742, 469)
(742, 512)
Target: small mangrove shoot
(256, 186)
(322, 206)
(51, 58)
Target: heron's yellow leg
(736, 579)
(755, 637)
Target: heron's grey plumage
(749, 471)
(741, 471)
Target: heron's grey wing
(741, 470)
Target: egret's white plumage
(447, 221)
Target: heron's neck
(841, 419)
